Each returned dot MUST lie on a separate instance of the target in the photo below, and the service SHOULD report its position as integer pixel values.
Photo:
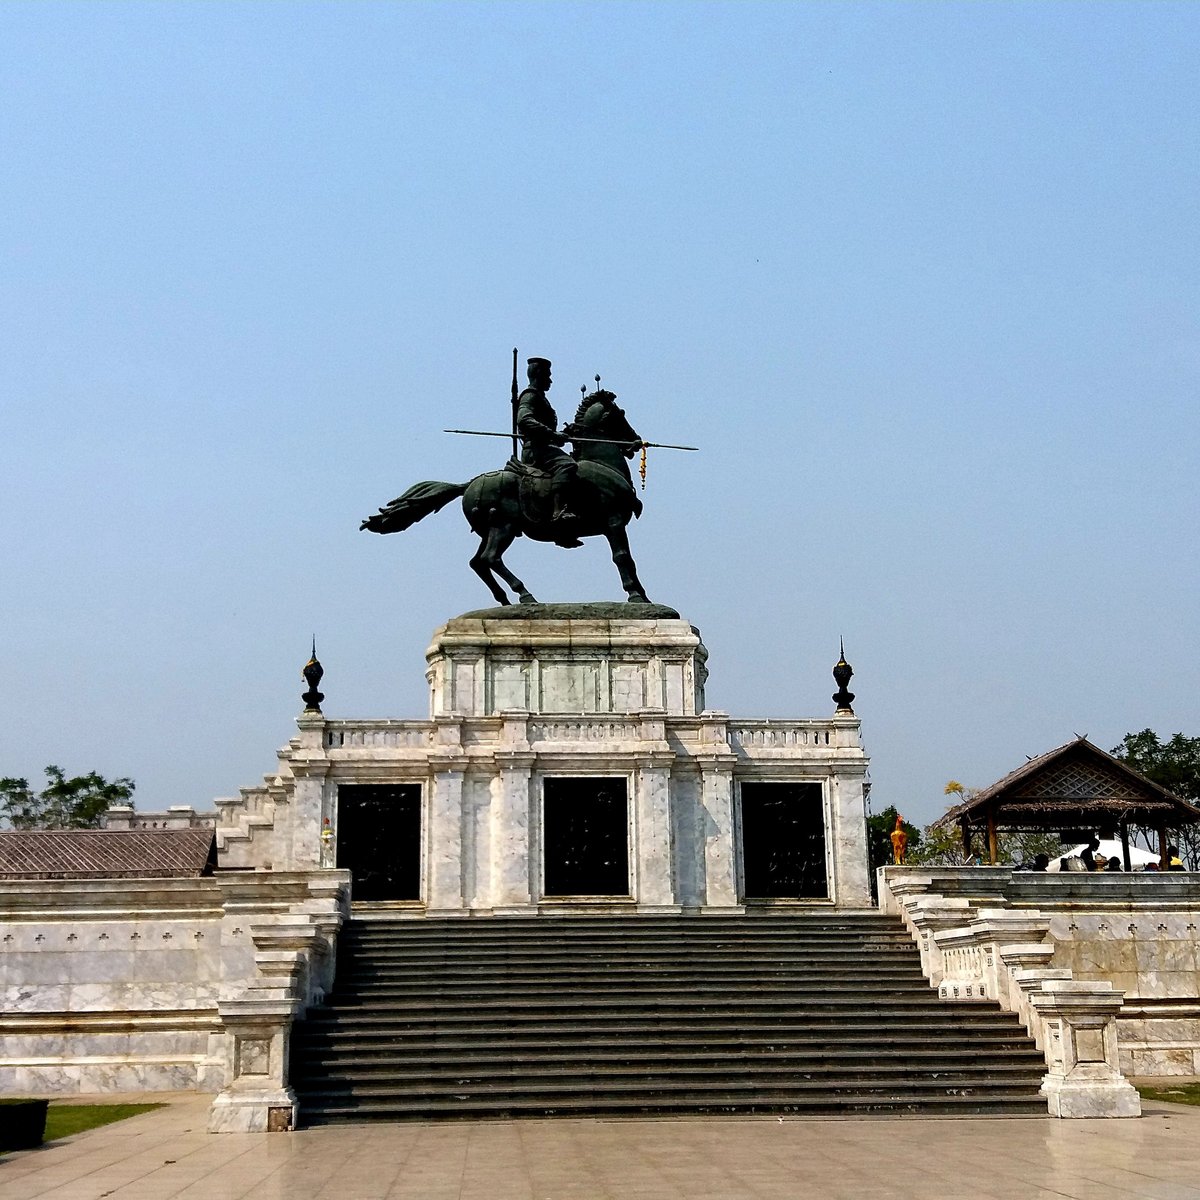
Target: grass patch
(62, 1120)
(1183, 1093)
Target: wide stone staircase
(572, 1016)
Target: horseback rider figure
(542, 493)
(537, 425)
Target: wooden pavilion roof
(1076, 785)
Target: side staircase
(603, 1016)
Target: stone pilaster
(310, 802)
(848, 821)
(716, 763)
(652, 826)
(512, 818)
(444, 892)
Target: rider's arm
(530, 427)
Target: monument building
(568, 762)
(572, 887)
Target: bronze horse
(500, 506)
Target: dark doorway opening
(585, 837)
(379, 839)
(783, 841)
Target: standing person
(537, 423)
(1088, 854)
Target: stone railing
(384, 734)
(294, 957)
(1000, 955)
(583, 730)
(773, 734)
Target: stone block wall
(116, 985)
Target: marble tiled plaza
(167, 1154)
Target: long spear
(514, 403)
(636, 444)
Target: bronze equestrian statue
(546, 495)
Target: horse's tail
(417, 503)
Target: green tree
(75, 803)
(1173, 764)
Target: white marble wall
(110, 985)
(515, 701)
(591, 665)
(481, 816)
(1150, 953)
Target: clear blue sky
(921, 280)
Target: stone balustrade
(583, 730)
(384, 734)
(1137, 931)
(772, 734)
(747, 735)
(1001, 955)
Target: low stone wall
(118, 985)
(1137, 931)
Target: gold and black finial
(841, 676)
(312, 676)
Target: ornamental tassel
(642, 468)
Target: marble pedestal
(520, 695)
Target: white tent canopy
(1110, 849)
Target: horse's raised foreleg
(491, 558)
(618, 542)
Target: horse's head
(600, 416)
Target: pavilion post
(1164, 861)
(1124, 828)
(966, 839)
(993, 844)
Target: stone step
(454, 934)
(845, 943)
(433, 1071)
(591, 1039)
(401, 1024)
(362, 981)
(1012, 1103)
(793, 1003)
(637, 982)
(604, 964)
(691, 930)
(623, 1015)
(418, 996)
(718, 950)
(647, 1088)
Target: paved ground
(168, 1154)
